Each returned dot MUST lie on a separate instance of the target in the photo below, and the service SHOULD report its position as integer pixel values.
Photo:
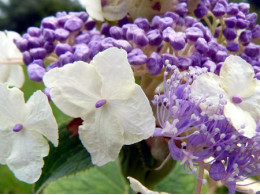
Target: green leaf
(137, 161)
(69, 157)
(97, 180)
(179, 182)
(10, 185)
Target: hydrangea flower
(103, 93)
(23, 126)
(10, 59)
(237, 85)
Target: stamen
(18, 127)
(237, 99)
(100, 103)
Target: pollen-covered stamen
(18, 127)
(100, 103)
(237, 99)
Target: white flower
(117, 9)
(103, 93)
(237, 85)
(140, 188)
(22, 127)
(10, 59)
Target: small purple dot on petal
(18, 127)
(100, 103)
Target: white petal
(135, 115)
(237, 77)
(94, 9)
(12, 105)
(6, 137)
(140, 188)
(239, 117)
(26, 156)
(252, 103)
(102, 135)
(75, 88)
(114, 12)
(207, 85)
(40, 117)
(12, 75)
(116, 73)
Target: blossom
(10, 59)
(115, 110)
(240, 90)
(23, 126)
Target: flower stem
(199, 182)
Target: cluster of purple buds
(233, 26)
(200, 138)
(57, 41)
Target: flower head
(23, 126)
(103, 93)
(240, 90)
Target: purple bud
(182, 8)
(193, 33)
(196, 59)
(83, 38)
(173, 60)
(211, 66)
(156, 22)
(100, 103)
(178, 42)
(257, 76)
(232, 8)
(190, 21)
(27, 58)
(217, 33)
(244, 7)
(154, 64)
(123, 21)
(21, 44)
(116, 32)
(184, 63)
(231, 22)
(201, 11)
(172, 15)
(81, 53)
(240, 15)
(168, 34)
(256, 32)
(105, 29)
(73, 24)
(217, 171)
(62, 48)
(230, 33)
(38, 53)
(142, 23)
(213, 48)
(95, 47)
(107, 43)
(252, 18)
(82, 15)
(245, 37)
(252, 50)
(49, 47)
(90, 24)
(35, 72)
(201, 45)
(154, 37)
(130, 32)
(53, 65)
(128, 27)
(242, 23)
(66, 58)
(49, 22)
(63, 19)
(18, 127)
(257, 68)
(34, 31)
(48, 35)
(61, 14)
(136, 57)
(219, 10)
(34, 42)
(123, 44)
(39, 62)
(166, 22)
(233, 46)
(220, 56)
(61, 34)
(139, 37)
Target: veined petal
(26, 156)
(207, 85)
(12, 105)
(116, 73)
(40, 117)
(75, 88)
(240, 117)
(237, 77)
(12, 75)
(113, 12)
(6, 137)
(102, 135)
(94, 9)
(135, 115)
(252, 103)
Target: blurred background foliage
(18, 15)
